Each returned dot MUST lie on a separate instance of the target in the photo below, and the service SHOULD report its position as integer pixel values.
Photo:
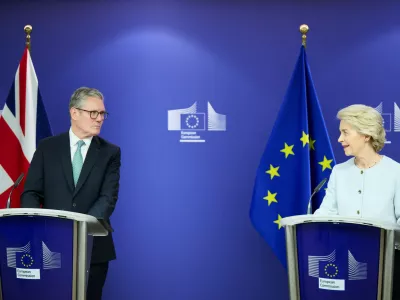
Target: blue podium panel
(338, 261)
(36, 258)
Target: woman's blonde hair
(367, 121)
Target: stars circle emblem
(27, 260)
(192, 121)
(331, 270)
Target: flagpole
(28, 30)
(304, 29)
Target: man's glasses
(94, 113)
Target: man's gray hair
(79, 97)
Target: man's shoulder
(107, 144)
(52, 140)
(56, 140)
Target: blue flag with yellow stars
(298, 156)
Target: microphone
(316, 190)
(16, 184)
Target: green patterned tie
(77, 162)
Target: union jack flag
(23, 123)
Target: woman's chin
(347, 152)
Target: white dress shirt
(372, 193)
(73, 142)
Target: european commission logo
(192, 124)
(330, 273)
(27, 266)
(391, 121)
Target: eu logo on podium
(28, 265)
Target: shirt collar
(73, 139)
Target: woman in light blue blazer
(368, 184)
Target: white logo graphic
(328, 281)
(12, 254)
(357, 270)
(191, 123)
(313, 263)
(389, 123)
(51, 260)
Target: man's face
(83, 120)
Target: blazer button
(73, 204)
(362, 172)
(358, 212)
(359, 191)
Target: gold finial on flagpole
(304, 29)
(28, 30)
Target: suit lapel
(90, 160)
(66, 161)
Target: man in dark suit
(78, 171)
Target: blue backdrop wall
(182, 221)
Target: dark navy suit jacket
(49, 184)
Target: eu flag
(298, 156)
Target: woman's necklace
(371, 165)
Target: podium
(334, 257)
(45, 254)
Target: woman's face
(353, 143)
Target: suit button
(359, 191)
(73, 204)
(358, 212)
(362, 172)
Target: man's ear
(73, 113)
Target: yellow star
(312, 142)
(287, 150)
(278, 222)
(305, 139)
(326, 163)
(273, 171)
(271, 198)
